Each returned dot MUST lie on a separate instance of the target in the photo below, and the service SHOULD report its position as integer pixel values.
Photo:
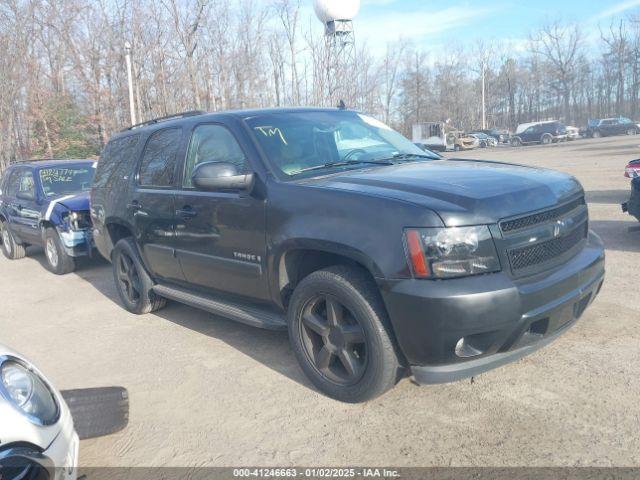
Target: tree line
(63, 81)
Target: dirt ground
(208, 391)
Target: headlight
(28, 393)
(72, 220)
(451, 252)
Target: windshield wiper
(408, 156)
(382, 161)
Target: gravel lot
(208, 391)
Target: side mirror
(27, 196)
(216, 176)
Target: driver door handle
(186, 212)
(135, 206)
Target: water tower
(337, 17)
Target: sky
(434, 25)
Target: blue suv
(46, 203)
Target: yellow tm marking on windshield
(269, 131)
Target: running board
(250, 315)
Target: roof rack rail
(190, 113)
(46, 159)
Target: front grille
(530, 256)
(542, 217)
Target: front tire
(596, 134)
(516, 142)
(10, 248)
(340, 334)
(58, 261)
(133, 283)
(632, 131)
(546, 139)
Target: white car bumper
(59, 460)
(63, 453)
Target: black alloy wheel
(133, 283)
(334, 341)
(128, 278)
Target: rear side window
(158, 165)
(12, 183)
(116, 153)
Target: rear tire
(10, 248)
(340, 333)
(133, 283)
(58, 261)
(456, 148)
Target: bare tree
(560, 46)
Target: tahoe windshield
(68, 179)
(297, 143)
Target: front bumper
(633, 205)
(58, 462)
(500, 318)
(77, 243)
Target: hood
(462, 192)
(75, 202)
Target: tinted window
(158, 165)
(12, 183)
(212, 143)
(25, 183)
(116, 153)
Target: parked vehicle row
(435, 135)
(379, 258)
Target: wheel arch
(44, 224)
(300, 259)
(116, 231)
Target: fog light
(464, 350)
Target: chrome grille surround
(527, 221)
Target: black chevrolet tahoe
(381, 259)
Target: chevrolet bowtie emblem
(561, 226)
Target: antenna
(337, 17)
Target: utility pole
(484, 111)
(127, 56)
